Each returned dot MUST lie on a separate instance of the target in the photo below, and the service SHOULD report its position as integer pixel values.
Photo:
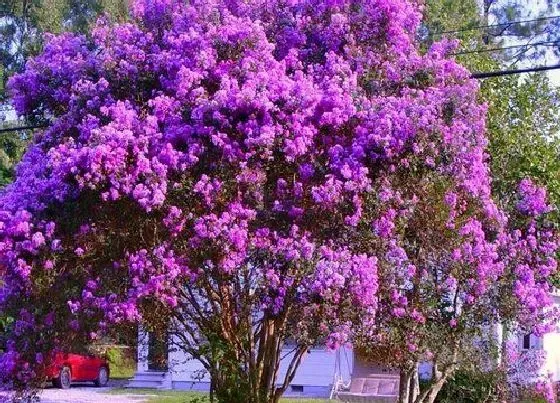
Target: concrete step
(148, 379)
(145, 384)
(149, 376)
(151, 373)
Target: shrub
(472, 386)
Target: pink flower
(38, 240)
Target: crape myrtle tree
(449, 273)
(251, 175)
(447, 310)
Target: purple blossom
(275, 150)
(532, 198)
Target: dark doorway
(157, 351)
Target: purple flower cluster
(305, 151)
(532, 198)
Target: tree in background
(25, 21)
(539, 35)
(524, 134)
(12, 146)
(523, 126)
(22, 26)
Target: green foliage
(5, 321)
(78, 15)
(50, 16)
(452, 15)
(524, 128)
(488, 23)
(121, 362)
(472, 386)
(12, 145)
(456, 19)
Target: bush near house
(122, 362)
(472, 386)
(121, 358)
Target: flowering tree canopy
(249, 173)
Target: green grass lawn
(179, 396)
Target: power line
(499, 73)
(503, 24)
(16, 128)
(466, 52)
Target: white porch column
(499, 334)
(143, 339)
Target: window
(297, 388)
(527, 342)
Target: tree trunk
(404, 386)
(434, 390)
(504, 346)
(438, 380)
(212, 387)
(485, 20)
(414, 385)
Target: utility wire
(500, 73)
(16, 128)
(503, 24)
(527, 45)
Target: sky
(554, 76)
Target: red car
(65, 368)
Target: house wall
(314, 377)
(317, 371)
(551, 344)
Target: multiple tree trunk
(240, 350)
(409, 390)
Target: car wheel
(64, 379)
(102, 377)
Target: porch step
(145, 385)
(151, 379)
(149, 376)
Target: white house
(541, 353)
(317, 374)
(322, 370)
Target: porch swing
(369, 382)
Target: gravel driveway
(84, 394)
